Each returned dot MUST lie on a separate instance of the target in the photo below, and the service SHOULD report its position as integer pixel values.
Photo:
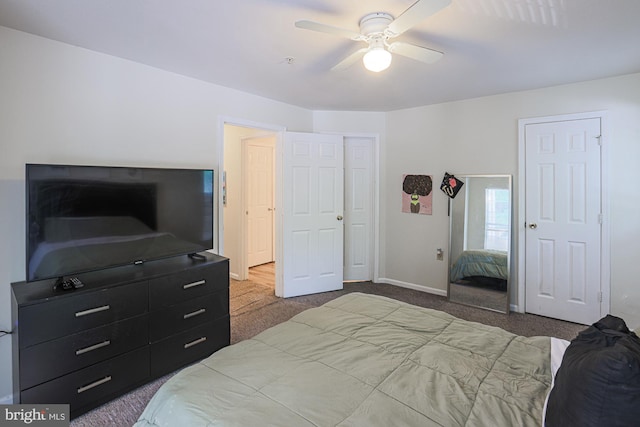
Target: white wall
(63, 104)
(479, 136)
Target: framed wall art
(417, 196)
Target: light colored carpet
(254, 308)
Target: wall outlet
(439, 254)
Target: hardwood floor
(264, 274)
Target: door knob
(533, 226)
(339, 217)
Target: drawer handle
(93, 310)
(196, 342)
(195, 313)
(92, 347)
(194, 284)
(94, 384)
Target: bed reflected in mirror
(480, 241)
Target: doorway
(563, 235)
(258, 165)
(231, 229)
(247, 222)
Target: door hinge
(599, 296)
(600, 219)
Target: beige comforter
(363, 360)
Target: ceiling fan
(376, 29)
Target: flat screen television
(86, 218)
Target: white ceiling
(490, 46)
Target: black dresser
(125, 327)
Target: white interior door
(563, 220)
(359, 208)
(260, 200)
(312, 226)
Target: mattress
(363, 360)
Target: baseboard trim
(515, 308)
(427, 289)
(6, 400)
(233, 276)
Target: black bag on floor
(598, 383)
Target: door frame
(605, 242)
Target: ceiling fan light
(377, 59)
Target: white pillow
(558, 347)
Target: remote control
(76, 283)
(67, 284)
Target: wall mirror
(480, 242)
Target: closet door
(563, 220)
(359, 183)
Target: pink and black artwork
(416, 194)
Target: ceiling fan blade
(419, 11)
(322, 28)
(422, 54)
(350, 60)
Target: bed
(365, 360)
(480, 263)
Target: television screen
(85, 218)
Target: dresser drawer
(170, 354)
(188, 314)
(49, 360)
(64, 316)
(96, 383)
(196, 282)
